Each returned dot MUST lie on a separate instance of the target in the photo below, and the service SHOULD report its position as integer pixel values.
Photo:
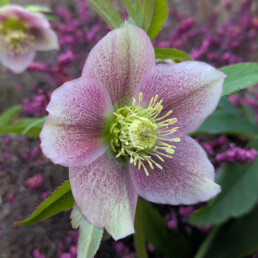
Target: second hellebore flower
(21, 34)
(121, 129)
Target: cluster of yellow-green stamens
(139, 134)
(15, 37)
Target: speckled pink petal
(191, 89)
(71, 136)
(187, 178)
(120, 60)
(32, 19)
(105, 195)
(44, 39)
(17, 63)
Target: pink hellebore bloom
(21, 34)
(117, 148)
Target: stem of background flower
(139, 240)
(204, 248)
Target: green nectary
(13, 24)
(139, 134)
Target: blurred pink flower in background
(117, 150)
(22, 33)
(34, 182)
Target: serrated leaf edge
(41, 207)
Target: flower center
(139, 134)
(143, 133)
(15, 37)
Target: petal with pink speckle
(44, 39)
(17, 63)
(71, 136)
(120, 60)
(105, 195)
(190, 89)
(31, 19)
(187, 178)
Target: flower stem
(139, 240)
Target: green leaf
(236, 239)
(107, 11)
(4, 2)
(253, 144)
(28, 126)
(207, 243)
(239, 184)
(159, 17)
(226, 120)
(239, 76)
(46, 11)
(38, 9)
(248, 113)
(32, 127)
(128, 21)
(7, 117)
(157, 233)
(135, 10)
(222, 122)
(60, 200)
(148, 12)
(171, 53)
(89, 236)
(139, 239)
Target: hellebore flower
(21, 34)
(121, 129)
